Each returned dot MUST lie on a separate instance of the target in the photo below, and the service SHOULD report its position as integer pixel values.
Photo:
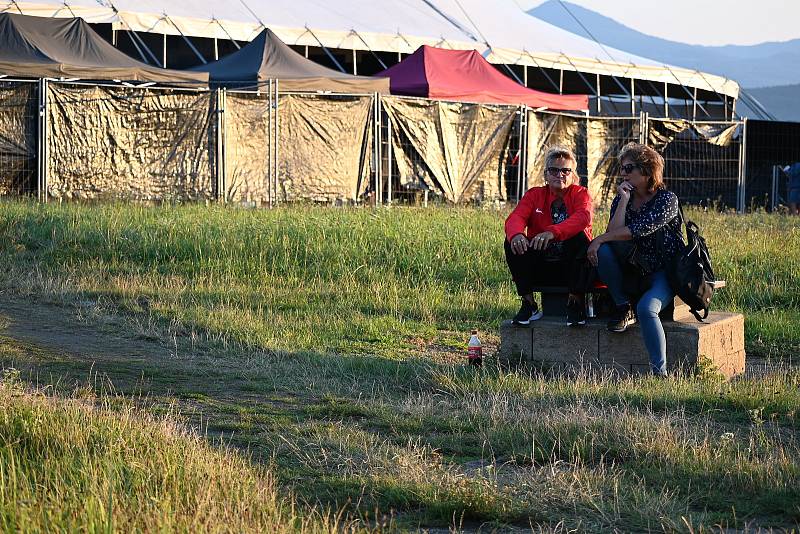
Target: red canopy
(465, 75)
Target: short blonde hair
(650, 163)
(555, 152)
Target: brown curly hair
(649, 162)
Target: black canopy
(43, 47)
(267, 57)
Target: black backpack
(690, 273)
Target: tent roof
(267, 57)
(464, 75)
(500, 30)
(41, 47)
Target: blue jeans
(655, 299)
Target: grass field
(325, 345)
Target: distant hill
(761, 65)
(782, 101)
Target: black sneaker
(576, 313)
(527, 313)
(621, 318)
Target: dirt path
(60, 329)
(79, 334)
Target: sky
(712, 22)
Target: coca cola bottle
(474, 350)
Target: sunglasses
(558, 171)
(628, 168)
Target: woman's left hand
(591, 252)
(541, 240)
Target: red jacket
(532, 214)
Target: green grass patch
(326, 344)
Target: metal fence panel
(702, 159)
(131, 143)
(18, 138)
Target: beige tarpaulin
(604, 140)
(18, 138)
(458, 150)
(247, 147)
(546, 130)
(663, 132)
(129, 142)
(324, 146)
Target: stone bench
(549, 344)
(554, 302)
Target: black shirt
(656, 229)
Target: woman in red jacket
(550, 227)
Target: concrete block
(553, 340)
(515, 344)
(550, 343)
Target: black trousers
(536, 268)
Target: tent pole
(525, 75)
(113, 36)
(633, 98)
(376, 163)
(216, 49)
(599, 108)
(355, 66)
(379, 146)
(389, 155)
(306, 51)
(277, 140)
(742, 169)
(694, 105)
(221, 138)
(520, 144)
(561, 82)
(774, 192)
(525, 146)
(164, 51)
(42, 152)
(666, 100)
(270, 142)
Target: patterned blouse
(656, 228)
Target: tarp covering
(323, 151)
(455, 149)
(384, 26)
(596, 143)
(604, 140)
(662, 132)
(547, 130)
(247, 147)
(464, 75)
(267, 57)
(113, 142)
(17, 138)
(40, 47)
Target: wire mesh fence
(18, 138)
(438, 151)
(770, 147)
(148, 143)
(702, 160)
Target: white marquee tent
(498, 29)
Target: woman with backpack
(644, 233)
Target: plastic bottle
(474, 350)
